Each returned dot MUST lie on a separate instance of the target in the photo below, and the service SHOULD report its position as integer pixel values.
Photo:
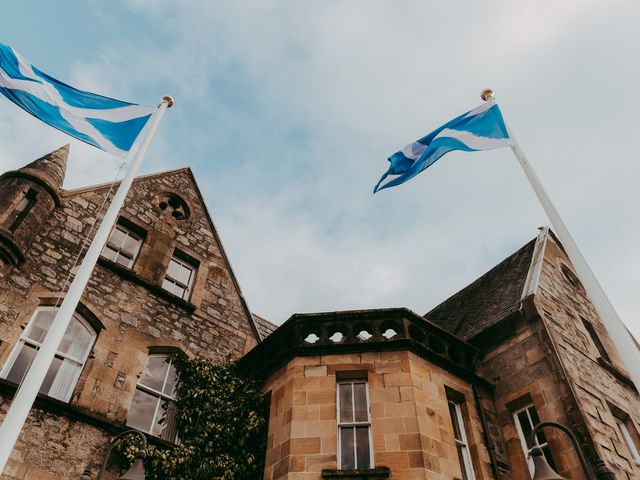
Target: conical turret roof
(50, 168)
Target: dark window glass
(152, 409)
(346, 448)
(363, 454)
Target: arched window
(152, 409)
(67, 364)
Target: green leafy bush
(221, 424)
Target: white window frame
(341, 424)
(523, 440)
(170, 279)
(155, 393)
(118, 250)
(631, 445)
(79, 362)
(467, 464)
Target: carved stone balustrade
(362, 331)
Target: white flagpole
(28, 390)
(621, 337)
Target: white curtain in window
(75, 344)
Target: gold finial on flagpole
(169, 100)
(487, 94)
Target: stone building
(163, 284)
(369, 394)
(452, 394)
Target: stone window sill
(155, 289)
(378, 473)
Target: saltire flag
(480, 129)
(106, 123)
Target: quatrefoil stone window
(173, 205)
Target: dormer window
(124, 243)
(22, 209)
(175, 206)
(180, 275)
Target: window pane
(51, 376)
(454, 421)
(76, 341)
(162, 420)
(346, 405)
(179, 291)
(182, 274)
(167, 285)
(461, 459)
(124, 260)
(362, 447)
(155, 369)
(523, 418)
(22, 362)
(130, 244)
(169, 421)
(39, 326)
(536, 420)
(109, 253)
(347, 460)
(360, 398)
(170, 385)
(142, 411)
(117, 238)
(174, 269)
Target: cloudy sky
(287, 111)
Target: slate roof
(265, 327)
(488, 300)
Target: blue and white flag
(111, 125)
(480, 129)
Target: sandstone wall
(598, 385)
(135, 313)
(411, 427)
(522, 365)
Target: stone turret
(28, 196)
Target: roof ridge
(75, 191)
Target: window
(152, 409)
(526, 419)
(595, 339)
(23, 208)
(123, 245)
(180, 274)
(67, 364)
(628, 432)
(172, 204)
(354, 426)
(462, 445)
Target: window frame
(158, 395)
(129, 232)
(631, 439)
(344, 425)
(80, 363)
(20, 211)
(466, 464)
(523, 440)
(187, 262)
